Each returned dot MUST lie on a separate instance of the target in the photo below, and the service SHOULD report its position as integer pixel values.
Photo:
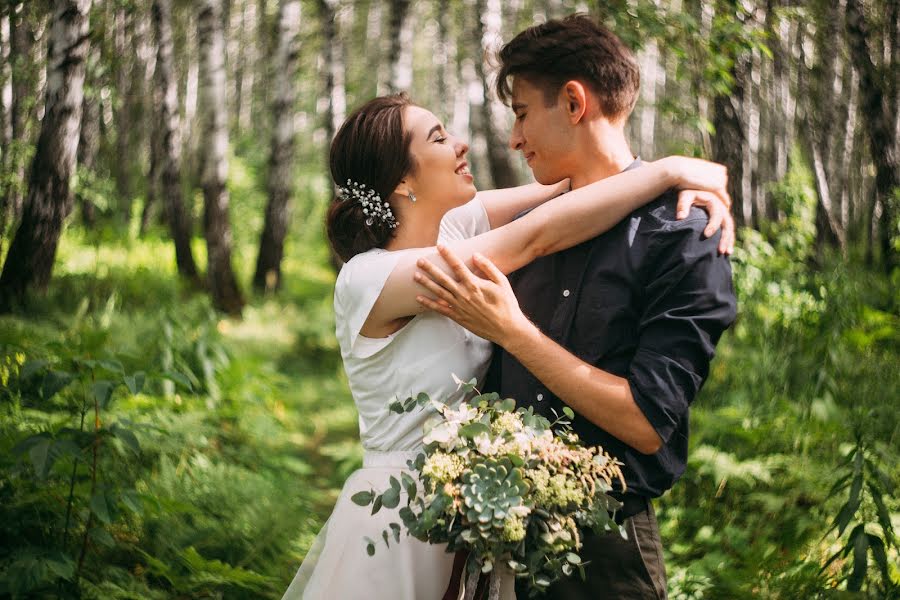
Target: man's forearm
(600, 397)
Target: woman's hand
(486, 306)
(704, 184)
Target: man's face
(543, 134)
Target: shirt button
(540, 397)
(566, 293)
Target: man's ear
(574, 98)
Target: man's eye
(520, 117)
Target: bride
(404, 186)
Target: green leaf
(370, 545)
(396, 407)
(884, 517)
(379, 500)
(127, 436)
(101, 536)
(395, 484)
(60, 564)
(132, 500)
(409, 484)
(473, 429)
(878, 551)
(135, 382)
(391, 498)
(54, 382)
(38, 454)
(384, 536)
(362, 498)
(100, 507)
(111, 365)
(395, 528)
(573, 558)
(568, 412)
(422, 399)
(860, 559)
(178, 378)
(508, 405)
(31, 367)
(102, 392)
(849, 509)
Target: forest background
(174, 420)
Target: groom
(626, 324)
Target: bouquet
(505, 485)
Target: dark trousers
(619, 569)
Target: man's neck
(606, 154)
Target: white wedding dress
(420, 357)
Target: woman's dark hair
(576, 47)
(371, 149)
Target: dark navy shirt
(647, 301)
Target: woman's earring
(412, 197)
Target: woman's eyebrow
(433, 129)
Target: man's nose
(515, 138)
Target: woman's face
(441, 179)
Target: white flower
(462, 415)
(446, 434)
(485, 445)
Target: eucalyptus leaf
(568, 412)
(362, 498)
(391, 498)
(376, 506)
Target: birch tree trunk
(29, 263)
(333, 59)
(400, 54)
(876, 97)
(5, 86)
(170, 144)
(281, 160)
(25, 88)
(487, 31)
(88, 146)
(226, 295)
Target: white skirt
(337, 566)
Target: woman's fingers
(716, 212)
(685, 200)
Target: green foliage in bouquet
(505, 485)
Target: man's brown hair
(576, 47)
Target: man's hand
(485, 306)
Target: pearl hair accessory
(373, 206)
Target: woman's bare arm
(503, 205)
(553, 226)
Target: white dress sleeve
(464, 222)
(357, 288)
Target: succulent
(489, 490)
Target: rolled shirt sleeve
(688, 302)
